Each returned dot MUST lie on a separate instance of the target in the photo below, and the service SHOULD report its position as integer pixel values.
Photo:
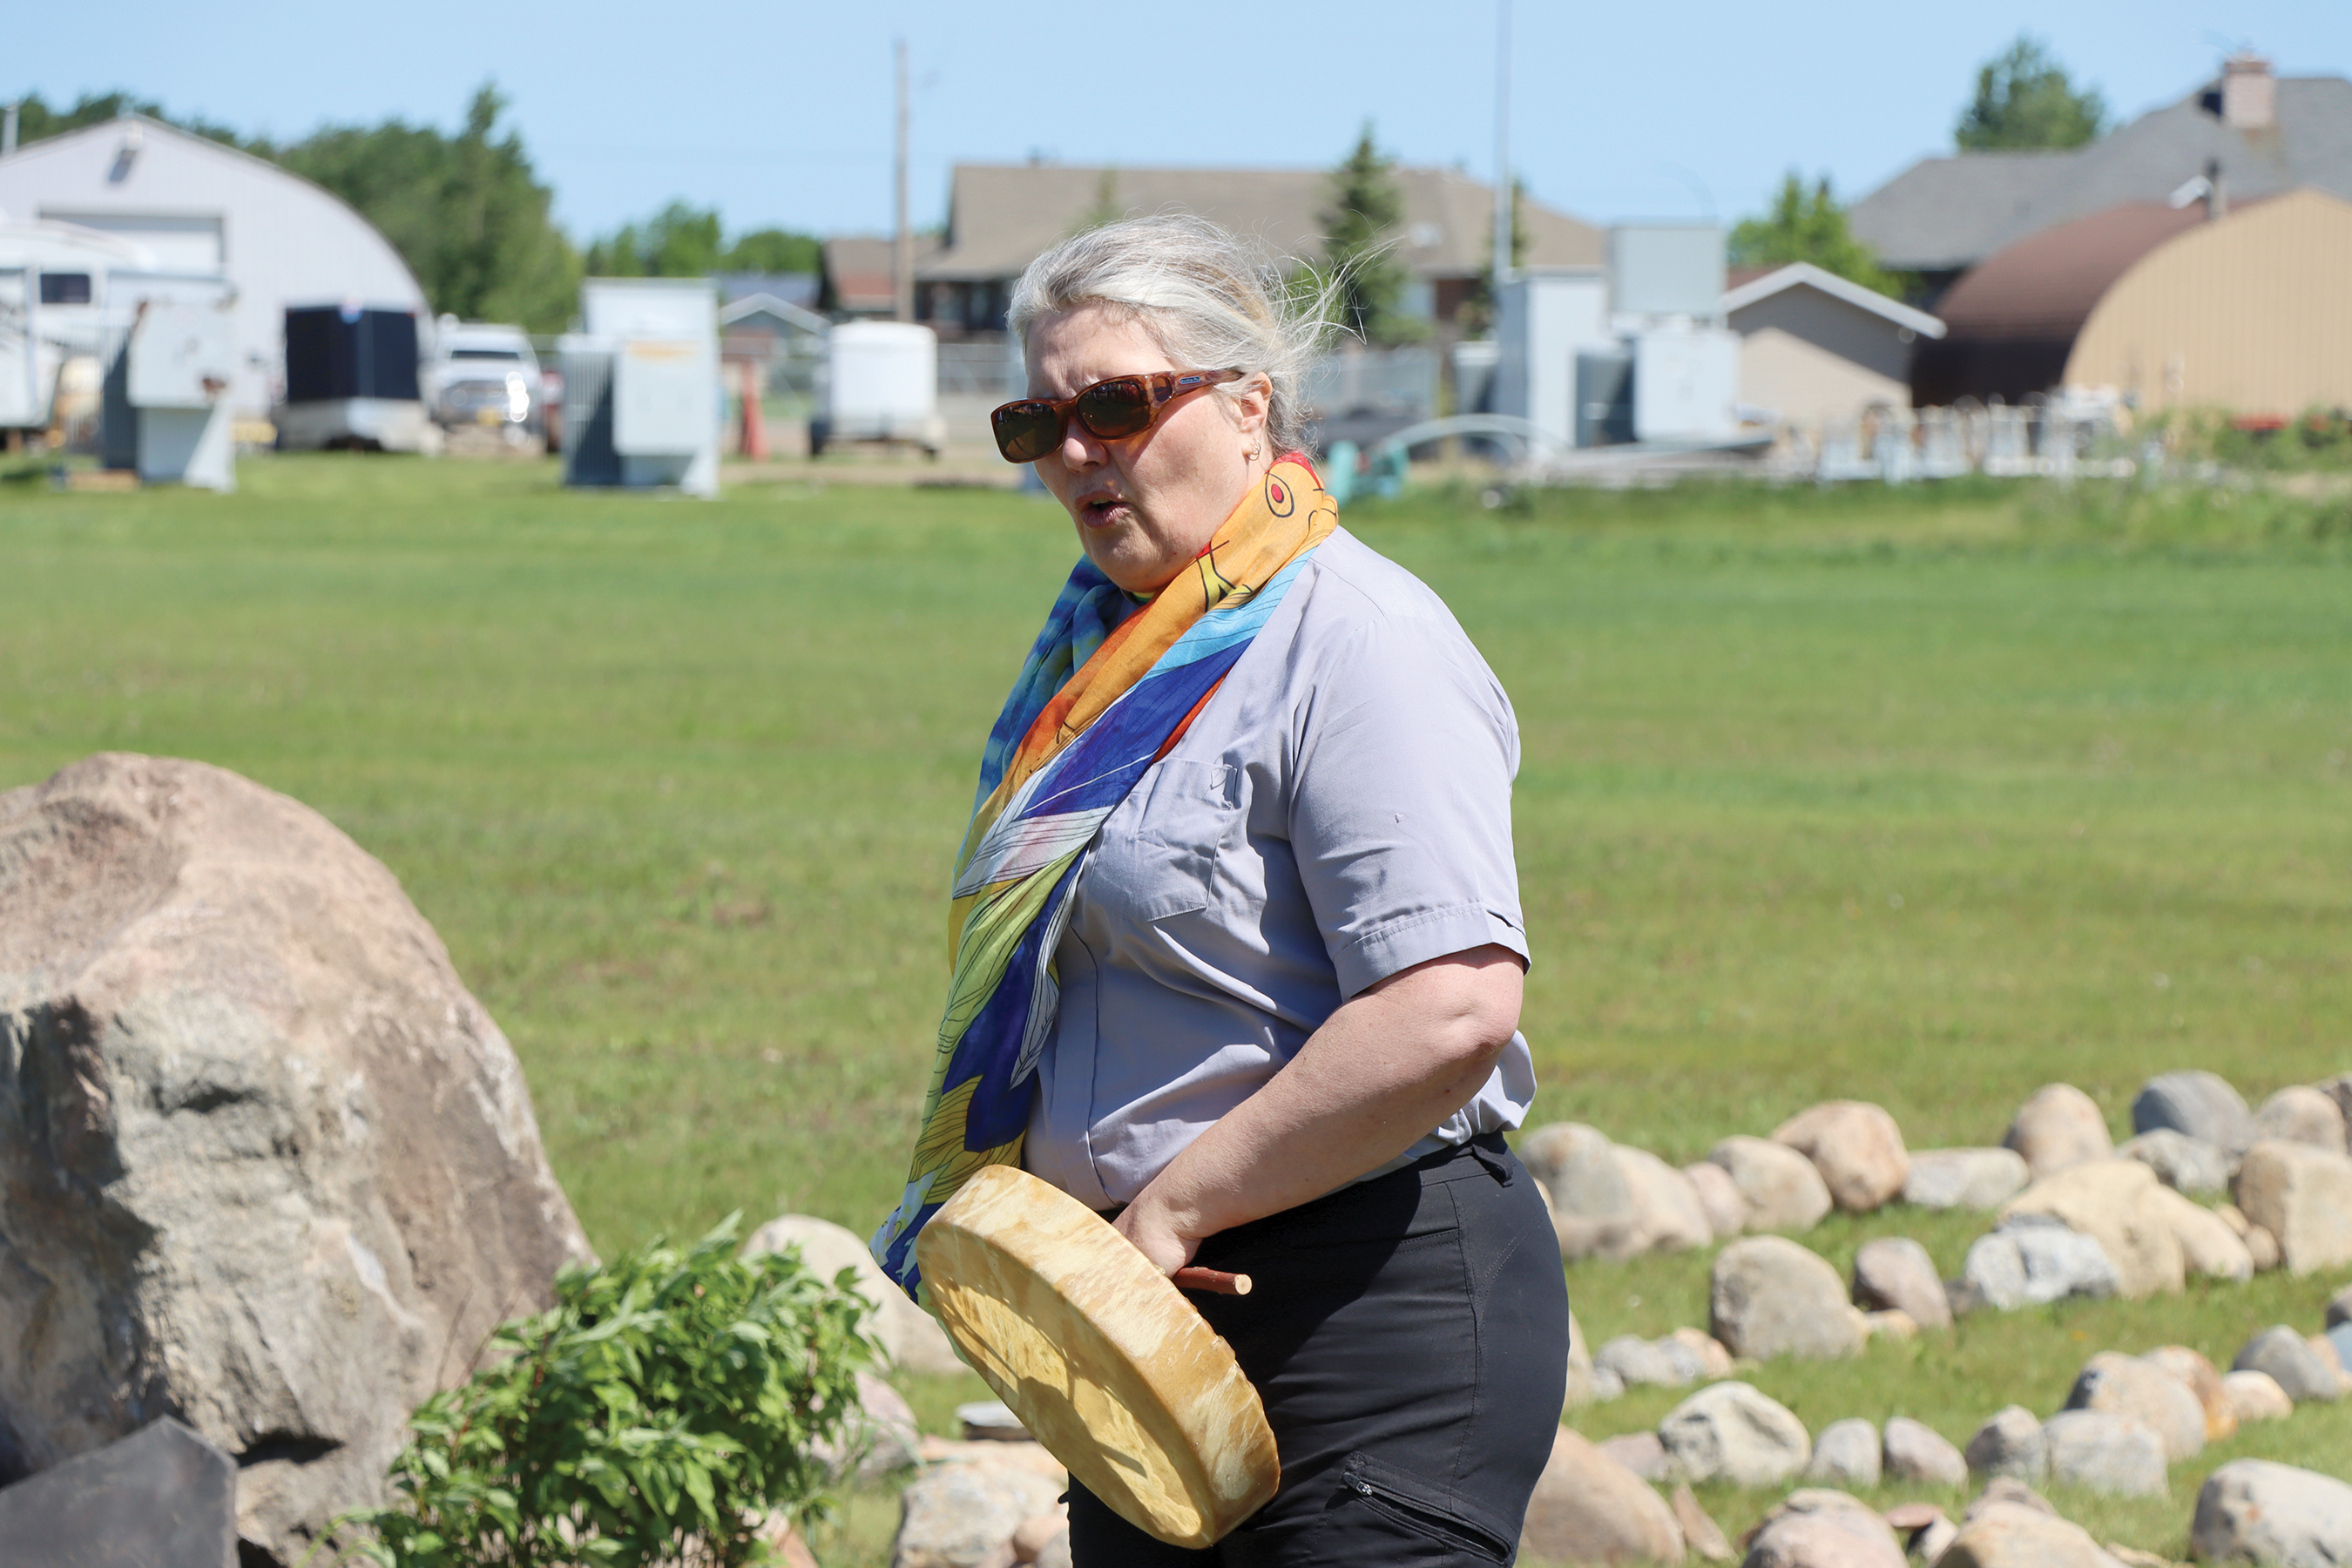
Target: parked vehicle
(485, 375)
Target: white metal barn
(195, 205)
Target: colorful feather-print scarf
(1100, 699)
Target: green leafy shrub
(655, 1414)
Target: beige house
(2251, 311)
(1815, 347)
(1000, 215)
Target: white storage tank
(881, 384)
(641, 390)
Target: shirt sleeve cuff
(1398, 944)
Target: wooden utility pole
(903, 261)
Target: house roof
(861, 271)
(1946, 214)
(2045, 285)
(1805, 275)
(1001, 215)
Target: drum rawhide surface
(1100, 1356)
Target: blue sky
(782, 115)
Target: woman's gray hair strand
(1204, 299)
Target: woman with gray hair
(1237, 944)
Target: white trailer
(881, 384)
(56, 304)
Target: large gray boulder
(161, 1498)
(2184, 1165)
(912, 1337)
(2011, 1535)
(2031, 1261)
(2202, 1104)
(963, 1516)
(1588, 1508)
(2303, 1196)
(1847, 1453)
(1782, 1189)
(2299, 1371)
(2255, 1396)
(2010, 1444)
(2105, 1453)
(1964, 1178)
(2060, 1126)
(2118, 1203)
(2209, 1247)
(2140, 1390)
(1895, 1273)
(2255, 1510)
(2300, 1114)
(1730, 1432)
(1857, 1148)
(1918, 1453)
(268, 1166)
(1820, 1528)
(1770, 1296)
(1727, 1210)
(1592, 1210)
(1667, 1213)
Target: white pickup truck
(484, 376)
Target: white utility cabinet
(881, 384)
(166, 410)
(1686, 383)
(640, 388)
(1544, 318)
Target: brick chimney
(2249, 93)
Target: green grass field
(1927, 797)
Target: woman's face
(1144, 505)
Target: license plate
(488, 416)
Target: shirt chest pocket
(1162, 863)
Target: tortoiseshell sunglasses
(1029, 427)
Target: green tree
(679, 241)
(2024, 99)
(774, 250)
(467, 212)
(1360, 231)
(1476, 316)
(1808, 224)
(36, 120)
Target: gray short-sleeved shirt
(1340, 811)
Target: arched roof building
(2171, 306)
(195, 205)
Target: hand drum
(1100, 1356)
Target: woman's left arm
(1392, 1062)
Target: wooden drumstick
(1216, 1279)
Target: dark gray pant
(1409, 1336)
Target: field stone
(163, 1496)
(1640, 1452)
(1847, 1453)
(2008, 1492)
(2010, 1444)
(1707, 1351)
(2141, 1391)
(1579, 1365)
(1892, 1323)
(1591, 1208)
(1930, 1540)
(1639, 1363)
(1770, 1296)
(1895, 1272)
(2303, 1196)
(1821, 1527)
(2032, 1261)
(2300, 1114)
(2209, 1248)
(268, 1167)
(2292, 1363)
(2116, 1202)
(2011, 1535)
(912, 1337)
(1034, 1536)
(2262, 1248)
(2256, 1510)
(1702, 1536)
(1729, 1432)
(2339, 1090)
(961, 1516)
(2200, 1103)
(1727, 1211)
(2339, 1306)
(2203, 1379)
(1918, 1453)
(1782, 1189)
(1964, 1178)
(886, 1438)
(1667, 1209)
(2255, 1396)
(2185, 1164)
(2060, 1126)
(1857, 1148)
(1587, 1507)
(2105, 1453)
